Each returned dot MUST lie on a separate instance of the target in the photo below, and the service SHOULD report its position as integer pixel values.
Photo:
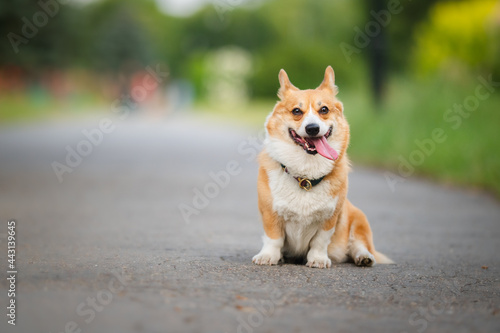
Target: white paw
(319, 262)
(364, 258)
(267, 258)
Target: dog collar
(304, 183)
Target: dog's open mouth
(315, 145)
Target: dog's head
(308, 122)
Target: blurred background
(404, 69)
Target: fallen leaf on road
(245, 308)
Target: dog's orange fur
(350, 223)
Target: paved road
(107, 250)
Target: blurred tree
(308, 36)
(121, 44)
(378, 55)
(34, 37)
(400, 30)
(301, 37)
(118, 42)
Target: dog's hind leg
(360, 247)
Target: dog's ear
(329, 81)
(285, 84)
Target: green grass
(22, 107)
(468, 155)
(251, 114)
(382, 137)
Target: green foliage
(116, 40)
(400, 30)
(301, 37)
(53, 44)
(459, 36)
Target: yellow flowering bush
(457, 36)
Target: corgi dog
(302, 182)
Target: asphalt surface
(108, 250)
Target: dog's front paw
(319, 262)
(364, 259)
(266, 258)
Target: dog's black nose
(312, 129)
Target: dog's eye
(297, 112)
(324, 110)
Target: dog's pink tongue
(324, 149)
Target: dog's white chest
(303, 211)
